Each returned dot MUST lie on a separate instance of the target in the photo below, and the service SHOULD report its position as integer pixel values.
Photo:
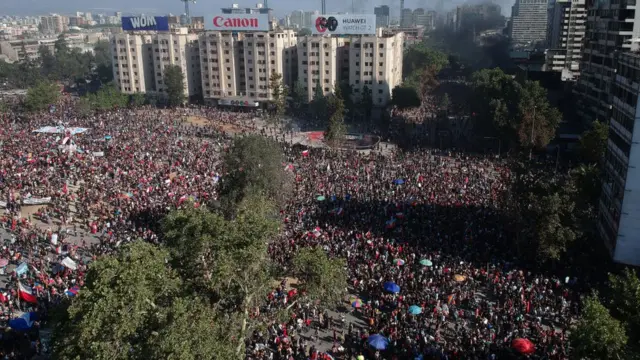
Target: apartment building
(529, 22)
(619, 207)
(375, 62)
(610, 28)
(382, 16)
(238, 65)
(141, 58)
(54, 24)
(321, 62)
(567, 26)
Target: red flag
(65, 189)
(26, 293)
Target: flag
(305, 153)
(390, 224)
(26, 293)
(316, 232)
(73, 291)
(65, 189)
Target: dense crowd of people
(423, 234)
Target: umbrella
(4, 262)
(392, 287)
(357, 303)
(523, 346)
(425, 262)
(108, 137)
(415, 310)
(398, 262)
(378, 342)
(360, 357)
(320, 198)
(398, 181)
(458, 277)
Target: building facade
(611, 25)
(382, 16)
(140, 60)
(619, 207)
(238, 66)
(529, 22)
(54, 24)
(567, 26)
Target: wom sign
(238, 22)
(145, 23)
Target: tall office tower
(323, 6)
(401, 12)
(406, 18)
(297, 18)
(529, 23)
(420, 17)
(382, 16)
(611, 25)
(619, 206)
(310, 18)
(567, 24)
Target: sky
(203, 7)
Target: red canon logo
(222, 22)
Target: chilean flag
(26, 293)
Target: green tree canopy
(625, 295)
(419, 56)
(593, 142)
(110, 317)
(598, 336)
(253, 165)
(41, 96)
(336, 129)
(324, 279)
(299, 97)
(174, 82)
(319, 102)
(405, 97)
(279, 92)
(107, 98)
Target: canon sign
(238, 22)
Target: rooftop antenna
(186, 9)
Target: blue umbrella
(398, 181)
(392, 287)
(415, 310)
(378, 342)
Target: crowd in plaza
(423, 234)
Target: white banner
(98, 153)
(3, 204)
(238, 22)
(36, 201)
(364, 24)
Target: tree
(83, 107)
(593, 142)
(598, 335)
(40, 97)
(405, 97)
(226, 260)
(61, 46)
(347, 95)
(336, 129)
(445, 103)
(366, 102)
(279, 92)
(304, 32)
(323, 279)
(110, 317)
(625, 295)
(419, 57)
(174, 81)
(537, 121)
(299, 97)
(137, 100)
(253, 165)
(108, 98)
(319, 102)
(102, 61)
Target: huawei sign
(239, 22)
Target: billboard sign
(242, 103)
(238, 22)
(345, 25)
(145, 23)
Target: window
(326, 53)
(326, 89)
(381, 55)
(357, 72)
(380, 91)
(357, 63)
(381, 46)
(326, 81)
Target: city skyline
(281, 7)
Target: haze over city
(152, 7)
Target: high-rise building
(424, 18)
(619, 206)
(529, 22)
(567, 23)
(611, 25)
(310, 18)
(371, 61)
(258, 9)
(141, 59)
(406, 18)
(382, 16)
(296, 18)
(238, 66)
(54, 24)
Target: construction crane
(186, 9)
